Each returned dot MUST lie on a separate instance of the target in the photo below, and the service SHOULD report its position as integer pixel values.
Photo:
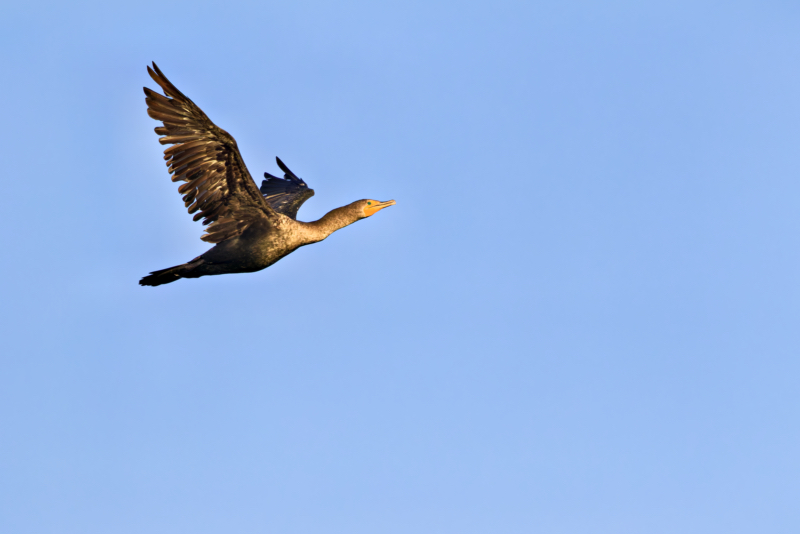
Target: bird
(251, 228)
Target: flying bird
(250, 228)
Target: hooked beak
(378, 206)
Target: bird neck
(333, 220)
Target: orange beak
(375, 207)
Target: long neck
(332, 221)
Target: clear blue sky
(581, 316)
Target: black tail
(166, 276)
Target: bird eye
(369, 203)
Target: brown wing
(218, 186)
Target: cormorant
(251, 229)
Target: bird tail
(166, 276)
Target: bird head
(371, 207)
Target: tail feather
(166, 276)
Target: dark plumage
(250, 228)
(285, 195)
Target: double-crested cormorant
(251, 229)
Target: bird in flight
(250, 228)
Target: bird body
(251, 228)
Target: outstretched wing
(218, 186)
(285, 195)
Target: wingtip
(153, 74)
(289, 174)
(167, 86)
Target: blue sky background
(581, 316)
